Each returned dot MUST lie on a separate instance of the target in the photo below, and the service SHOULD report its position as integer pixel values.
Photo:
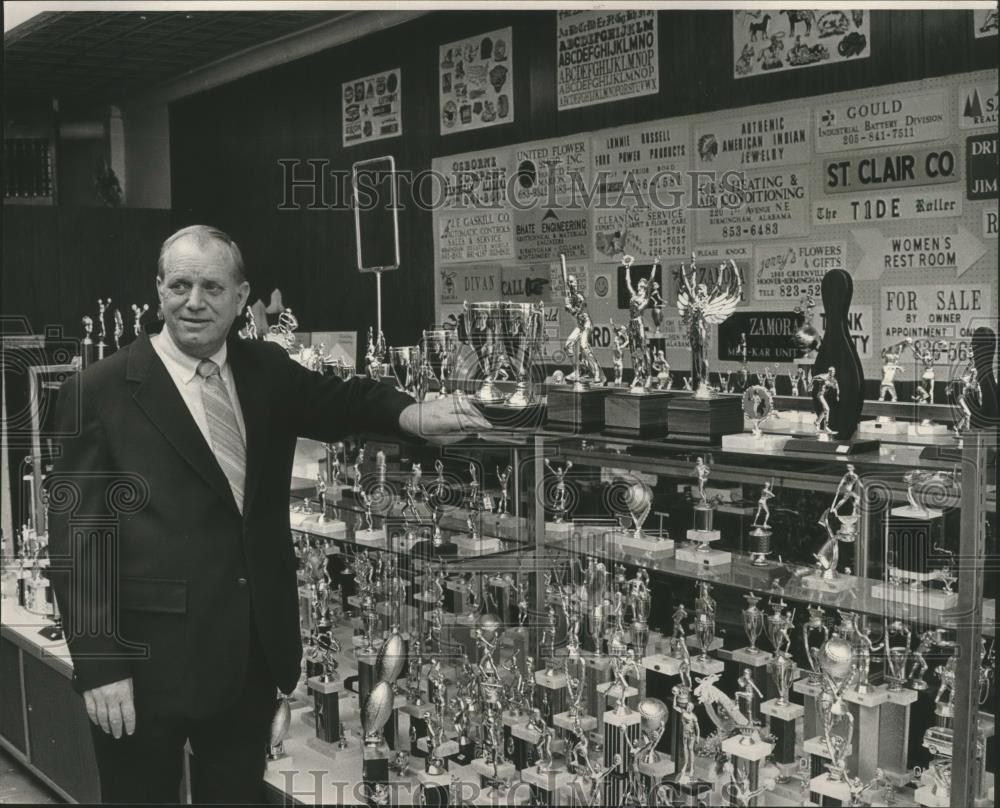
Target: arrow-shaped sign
(932, 253)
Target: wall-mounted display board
(475, 81)
(772, 40)
(372, 107)
(895, 184)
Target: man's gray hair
(203, 235)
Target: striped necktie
(227, 441)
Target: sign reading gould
(882, 119)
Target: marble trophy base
(297, 518)
(636, 415)
(832, 792)
(922, 597)
(484, 769)
(570, 410)
(547, 785)
(706, 667)
(662, 663)
(784, 712)
(469, 546)
(923, 514)
(708, 557)
(839, 584)
(559, 528)
(565, 720)
(926, 429)
(925, 795)
(753, 659)
(883, 425)
(817, 747)
(645, 542)
(332, 528)
(369, 536)
(763, 443)
(755, 752)
(657, 770)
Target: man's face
(200, 296)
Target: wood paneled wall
(226, 143)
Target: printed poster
(754, 205)
(757, 141)
(895, 169)
(788, 272)
(549, 171)
(880, 118)
(642, 231)
(472, 283)
(475, 82)
(474, 180)
(773, 40)
(605, 56)
(372, 108)
(541, 234)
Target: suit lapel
(158, 397)
(250, 387)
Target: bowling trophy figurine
(825, 388)
(586, 370)
(700, 307)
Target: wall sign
(773, 40)
(471, 283)
(932, 254)
(981, 166)
(526, 284)
(605, 56)
(474, 236)
(977, 105)
(859, 325)
(645, 160)
(789, 271)
(880, 118)
(758, 205)
(708, 258)
(990, 222)
(891, 170)
(950, 311)
(757, 141)
(475, 180)
(540, 234)
(372, 108)
(642, 232)
(550, 170)
(888, 207)
(770, 336)
(475, 82)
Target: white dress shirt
(183, 369)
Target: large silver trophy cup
(506, 338)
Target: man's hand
(111, 707)
(443, 420)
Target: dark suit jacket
(159, 569)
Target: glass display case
(637, 622)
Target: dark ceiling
(104, 56)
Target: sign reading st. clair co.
(891, 170)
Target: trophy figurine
(703, 532)
(849, 493)
(621, 339)
(639, 501)
(890, 367)
(928, 353)
(758, 406)
(784, 672)
(119, 328)
(560, 496)
(503, 477)
(578, 342)
(825, 385)
(690, 736)
(87, 344)
(753, 621)
(701, 307)
(280, 724)
(898, 655)
(137, 317)
(102, 331)
(815, 623)
(639, 300)
(761, 531)
(836, 663)
(967, 394)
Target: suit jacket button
(241, 582)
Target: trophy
(560, 498)
(703, 533)
(137, 317)
(967, 394)
(439, 349)
(522, 326)
(701, 307)
(280, 724)
(890, 367)
(761, 530)
(578, 342)
(849, 493)
(836, 663)
(753, 621)
(897, 656)
(406, 364)
(815, 623)
(784, 672)
(102, 331)
(503, 477)
(119, 328)
(758, 406)
(87, 344)
(640, 299)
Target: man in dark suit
(169, 509)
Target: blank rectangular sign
(376, 223)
